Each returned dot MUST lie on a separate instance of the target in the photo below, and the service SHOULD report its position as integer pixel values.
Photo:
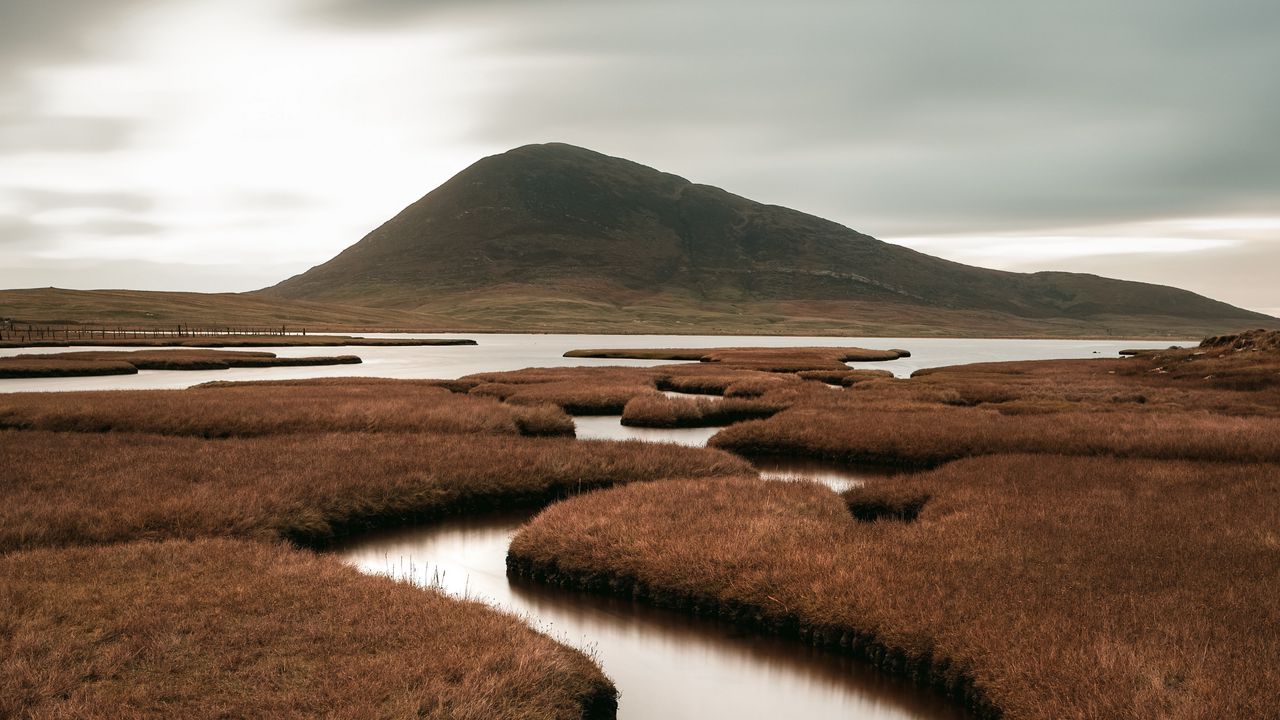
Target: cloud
(1229, 258)
(897, 117)
(18, 231)
(1249, 268)
(38, 200)
(55, 30)
(1017, 122)
(21, 134)
(96, 273)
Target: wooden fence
(27, 332)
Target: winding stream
(666, 664)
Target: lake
(666, 664)
(499, 352)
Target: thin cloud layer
(900, 118)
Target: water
(497, 352)
(610, 427)
(666, 664)
(835, 476)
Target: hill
(553, 237)
(559, 237)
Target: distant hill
(559, 237)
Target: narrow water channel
(666, 664)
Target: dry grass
(704, 378)
(694, 354)
(35, 366)
(580, 391)
(1043, 587)
(75, 488)
(219, 629)
(607, 390)
(254, 409)
(927, 437)
(94, 363)
(847, 378)
(1186, 404)
(225, 341)
(787, 359)
(666, 412)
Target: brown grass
(665, 412)
(225, 341)
(1187, 404)
(63, 364)
(694, 354)
(580, 391)
(703, 378)
(788, 359)
(35, 366)
(75, 489)
(926, 437)
(846, 378)
(219, 629)
(254, 409)
(1036, 586)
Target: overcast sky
(227, 144)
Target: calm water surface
(512, 352)
(666, 664)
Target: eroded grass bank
(1029, 586)
(221, 628)
(77, 488)
(221, 410)
(1216, 402)
(141, 339)
(665, 412)
(71, 364)
(143, 575)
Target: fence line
(31, 332)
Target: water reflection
(495, 352)
(835, 476)
(666, 664)
(690, 395)
(610, 427)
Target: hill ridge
(554, 225)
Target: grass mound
(580, 391)
(1176, 404)
(1029, 586)
(664, 412)
(258, 409)
(75, 488)
(219, 628)
(111, 363)
(785, 359)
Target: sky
(223, 145)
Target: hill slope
(559, 237)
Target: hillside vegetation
(559, 236)
(554, 237)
